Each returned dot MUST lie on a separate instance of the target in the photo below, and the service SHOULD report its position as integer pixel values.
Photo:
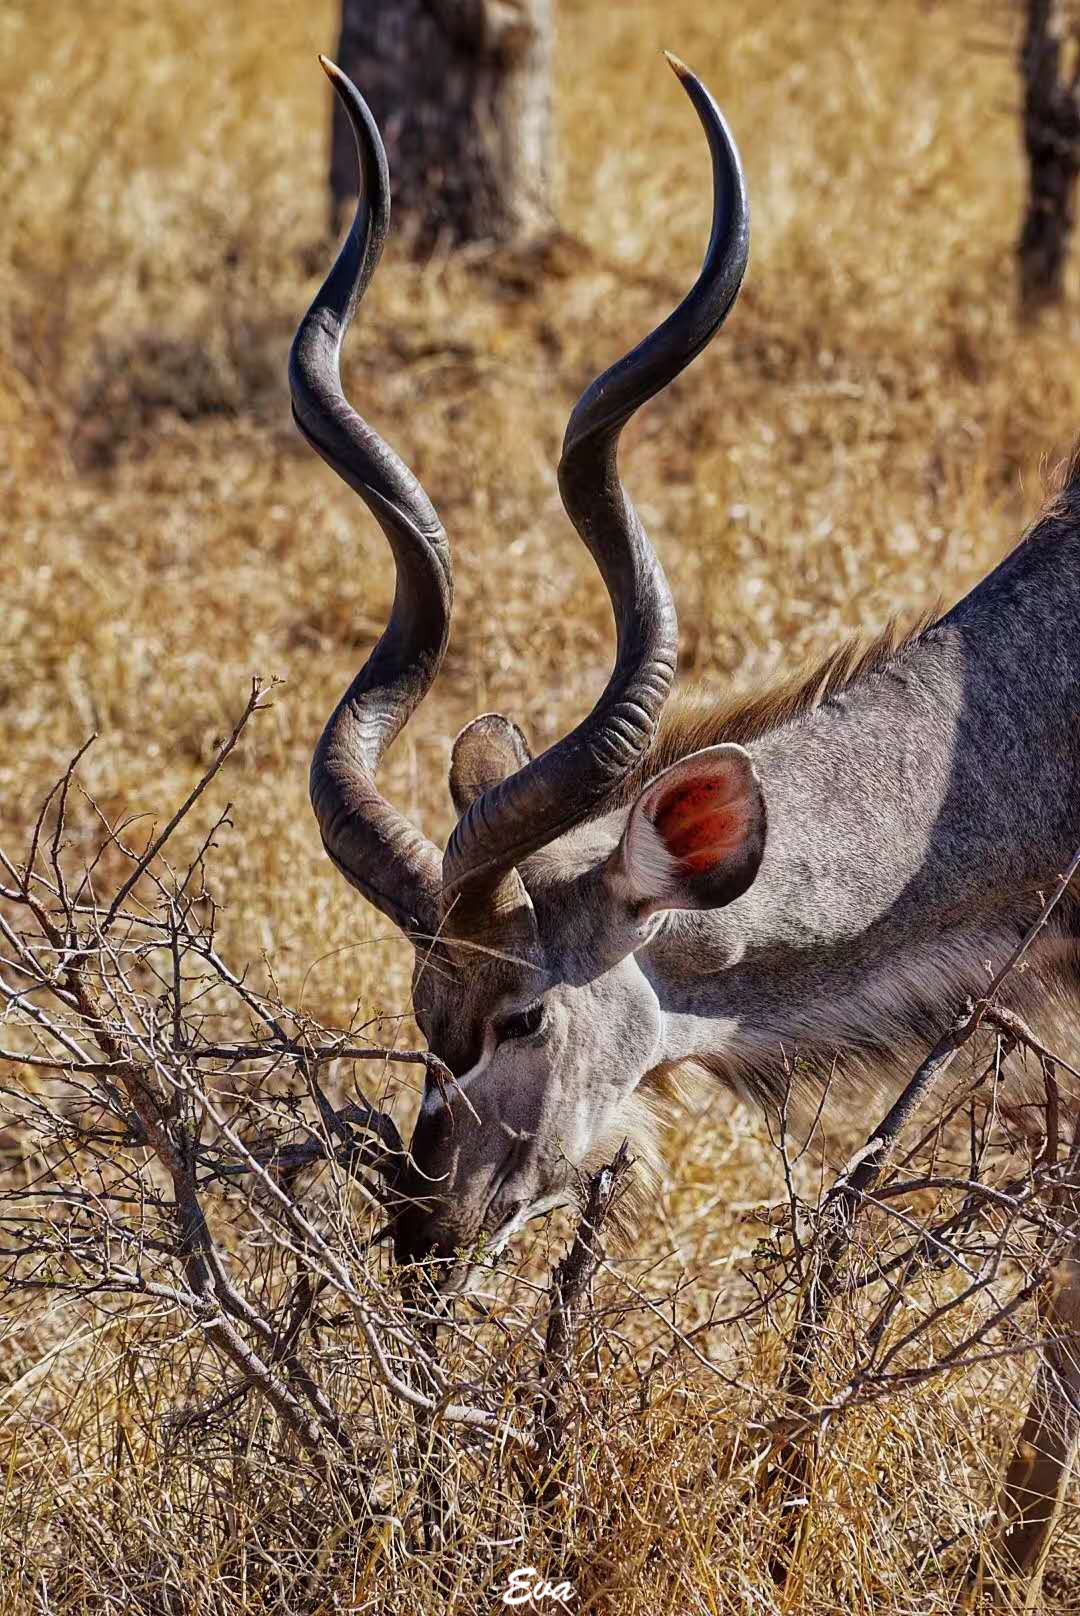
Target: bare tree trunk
(461, 90)
(1052, 140)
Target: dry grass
(866, 437)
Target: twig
(853, 1188)
(254, 704)
(570, 1284)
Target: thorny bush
(303, 1424)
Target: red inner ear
(701, 822)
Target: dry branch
(570, 1286)
(184, 1162)
(111, 1003)
(788, 1477)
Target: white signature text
(524, 1587)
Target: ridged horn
(570, 782)
(373, 845)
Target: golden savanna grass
(867, 437)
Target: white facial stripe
(498, 1242)
(433, 1099)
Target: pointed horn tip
(331, 69)
(679, 67)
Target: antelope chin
(513, 1225)
(466, 1275)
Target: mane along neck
(698, 716)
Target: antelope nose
(420, 1188)
(423, 1234)
(412, 1233)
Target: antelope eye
(521, 1025)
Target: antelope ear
(485, 752)
(696, 834)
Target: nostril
(412, 1240)
(416, 1248)
(416, 1227)
(421, 1189)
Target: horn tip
(678, 66)
(331, 69)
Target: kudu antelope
(694, 882)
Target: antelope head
(530, 930)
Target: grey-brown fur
(915, 812)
